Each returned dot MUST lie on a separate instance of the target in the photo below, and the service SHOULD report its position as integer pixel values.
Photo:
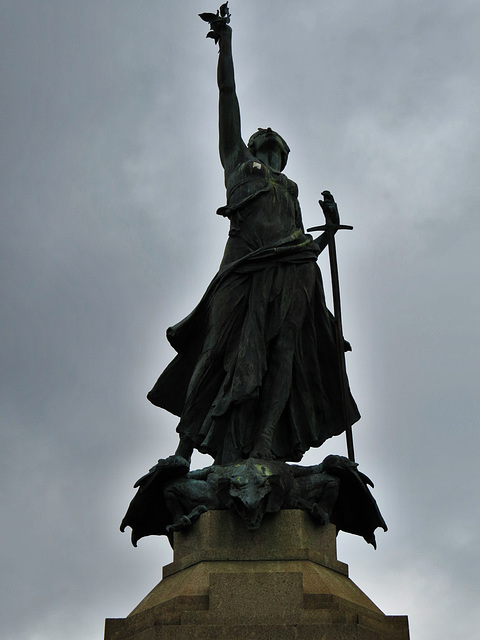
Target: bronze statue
(259, 375)
(257, 372)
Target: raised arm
(231, 146)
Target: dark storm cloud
(110, 179)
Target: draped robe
(258, 353)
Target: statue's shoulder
(250, 166)
(250, 171)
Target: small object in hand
(221, 18)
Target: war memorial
(259, 377)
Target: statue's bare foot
(177, 461)
(262, 450)
(170, 467)
(184, 449)
(174, 462)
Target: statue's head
(266, 141)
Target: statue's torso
(262, 206)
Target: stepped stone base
(283, 582)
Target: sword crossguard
(330, 227)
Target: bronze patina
(259, 376)
(257, 372)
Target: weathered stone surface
(280, 583)
(221, 536)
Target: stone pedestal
(283, 582)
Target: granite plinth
(283, 582)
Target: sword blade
(337, 312)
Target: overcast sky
(110, 180)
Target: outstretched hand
(218, 22)
(329, 208)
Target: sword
(332, 225)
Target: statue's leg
(275, 391)
(263, 443)
(282, 350)
(185, 448)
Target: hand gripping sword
(332, 225)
